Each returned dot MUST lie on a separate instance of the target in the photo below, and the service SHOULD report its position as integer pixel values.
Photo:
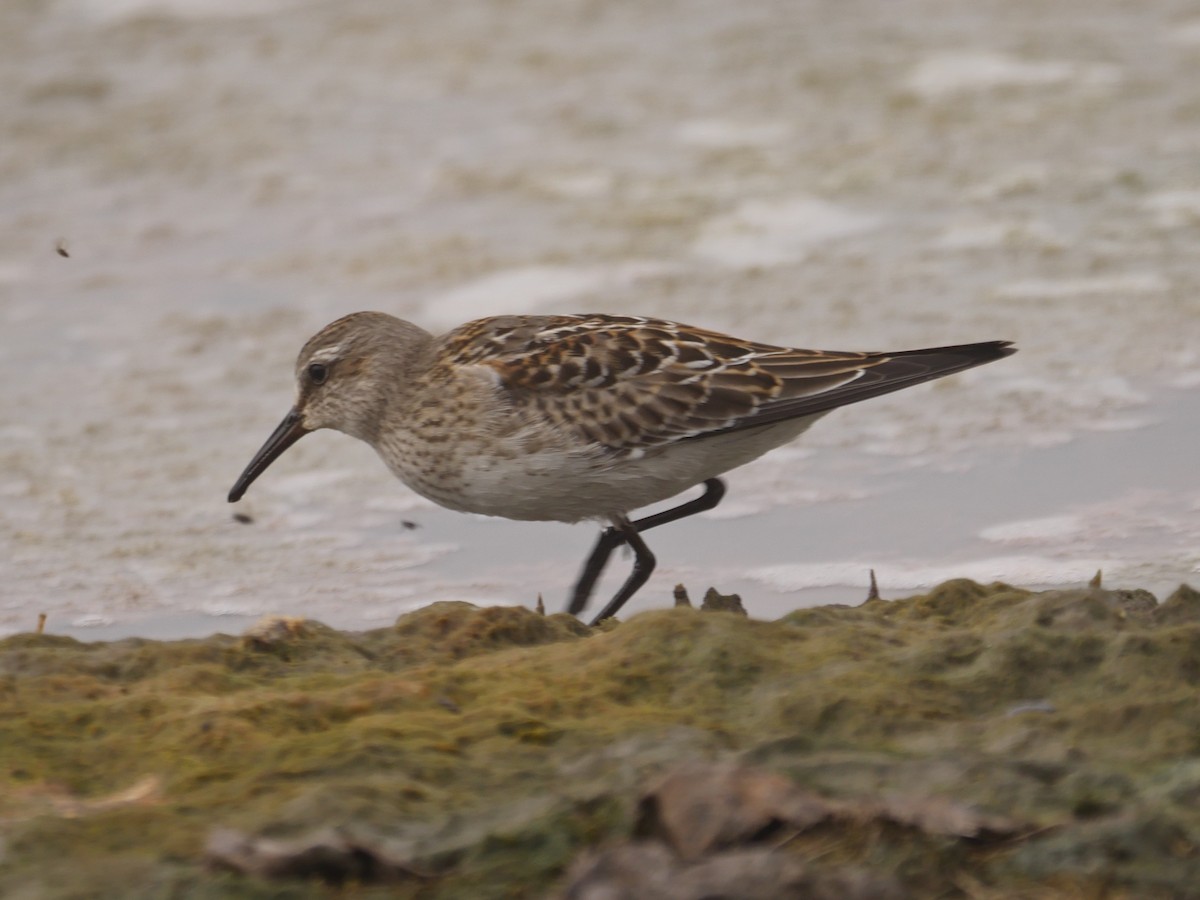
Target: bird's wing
(633, 384)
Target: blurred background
(190, 188)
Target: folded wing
(632, 384)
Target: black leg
(611, 538)
(643, 565)
(714, 490)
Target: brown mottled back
(632, 384)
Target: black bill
(290, 430)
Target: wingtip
(984, 352)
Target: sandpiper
(563, 418)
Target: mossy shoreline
(490, 751)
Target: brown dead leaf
(650, 871)
(699, 808)
(328, 855)
(940, 816)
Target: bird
(573, 417)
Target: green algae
(489, 747)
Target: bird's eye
(317, 373)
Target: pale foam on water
(727, 133)
(771, 232)
(117, 10)
(529, 289)
(949, 74)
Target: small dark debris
(273, 631)
(715, 601)
(243, 518)
(408, 524)
(60, 247)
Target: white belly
(554, 484)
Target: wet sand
(225, 179)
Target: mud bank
(976, 741)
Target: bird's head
(345, 376)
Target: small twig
(873, 593)
(681, 596)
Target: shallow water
(226, 178)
